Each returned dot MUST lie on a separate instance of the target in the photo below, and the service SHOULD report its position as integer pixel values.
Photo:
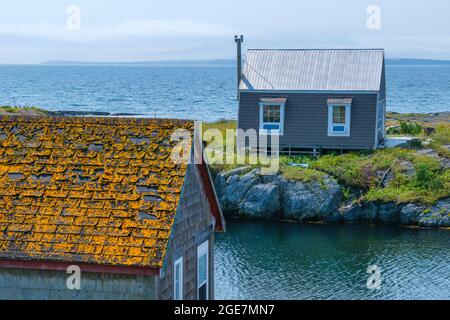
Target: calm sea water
(192, 92)
(261, 260)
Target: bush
(415, 144)
(427, 177)
(413, 128)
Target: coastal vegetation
(22, 110)
(401, 175)
(303, 175)
(406, 128)
(441, 140)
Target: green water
(270, 260)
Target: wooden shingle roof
(88, 190)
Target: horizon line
(217, 61)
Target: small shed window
(339, 115)
(202, 271)
(339, 111)
(272, 115)
(178, 279)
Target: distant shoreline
(215, 62)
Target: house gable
(194, 224)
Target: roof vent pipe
(239, 40)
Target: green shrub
(407, 127)
(415, 144)
(427, 177)
(346, 192)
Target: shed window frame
(332, 125)
(178, 281)
(203, 251)
(262, 123)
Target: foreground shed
(103, 194)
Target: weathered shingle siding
(193, 224)
(306, 119)
(51, 285)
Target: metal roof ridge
(316, 49)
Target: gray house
(102, 196)
(314, 99)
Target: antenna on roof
(239, 40)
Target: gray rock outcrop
(243, 192)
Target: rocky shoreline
(33, 112)
(244, 193)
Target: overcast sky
(139, 30)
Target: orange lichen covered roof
(89, 190)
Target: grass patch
(22, 109)
(365, 171)
(221, 125)
(405, 194)
(360, 169)
(303, 175)
(440, 139)
(9, 109)
(429, 184)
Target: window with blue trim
(339, 120)
(272, 115)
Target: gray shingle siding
(193, 224)
(306, 119)
(31, 284)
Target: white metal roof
(313, 70)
